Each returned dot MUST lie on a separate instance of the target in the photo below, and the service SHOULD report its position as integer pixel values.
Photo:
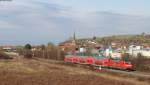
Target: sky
(43, 21)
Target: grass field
(47, 72)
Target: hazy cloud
(41, 21)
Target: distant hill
(123, 39)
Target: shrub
(27, 51)
(141, 63)
(49, 53)
(28, 54)
(28, 47)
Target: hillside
(47, 72)
(123, 39)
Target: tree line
(49, 51)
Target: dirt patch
(54, 78)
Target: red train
(100, 61)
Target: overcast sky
(42, 21)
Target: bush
(141, 63)
(54, 54)
(28, 47)
(28, 54)
(49, 52)
(27, 51)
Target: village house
(8, 48)
(69, 45)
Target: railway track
(92, 67)
(103, 69)
(131, 73)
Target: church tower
(74, 38)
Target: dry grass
(36, 72)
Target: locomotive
(100, 60)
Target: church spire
(74, 36)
